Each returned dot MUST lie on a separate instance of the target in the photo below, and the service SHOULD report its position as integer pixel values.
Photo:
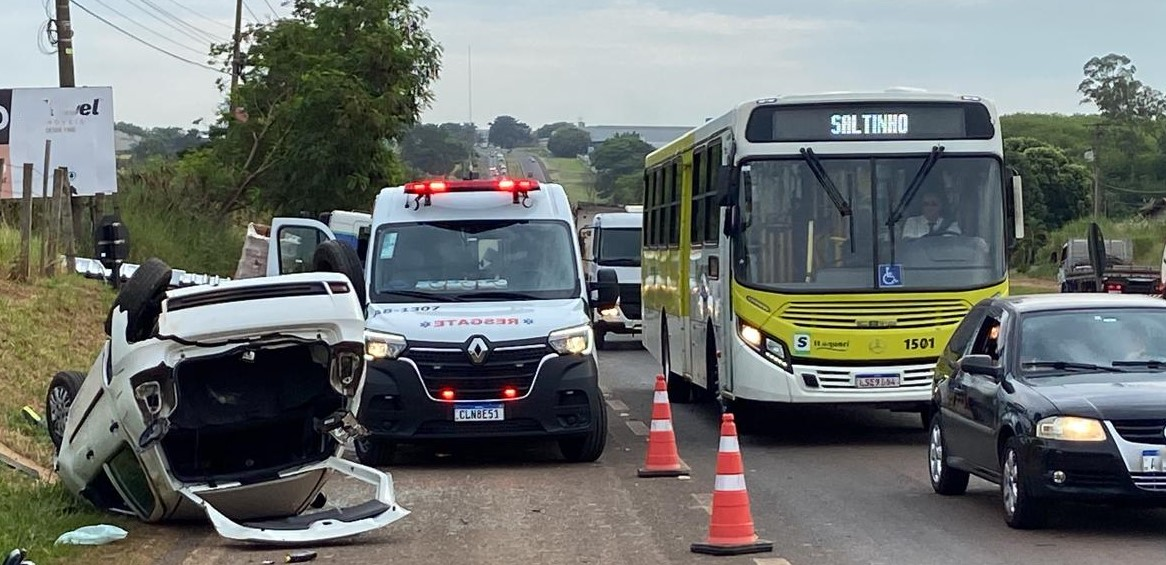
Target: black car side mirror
(980, 365)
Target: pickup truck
(1120, 274)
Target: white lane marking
(770, 561)
(704, 502)
(617, 405)
(637, 427)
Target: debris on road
(92, 535)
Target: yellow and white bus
(821, 249)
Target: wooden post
(22, 268)
(2, 172)
(53, 226)
(71, 216)
(46, 204)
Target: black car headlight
(575, 340)
(1070, 428)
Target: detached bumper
(310, 528)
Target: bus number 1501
(919, 343)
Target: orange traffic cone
(662, 459)
(731, 524)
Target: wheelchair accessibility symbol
(890, 275)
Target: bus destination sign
(869, 121)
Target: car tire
(1021, 510)
(141, 298)
(587, 448)
(375, 452)
(338, 257)
(944, 479)
(63, 389)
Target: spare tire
(338, 257)
(142, 296)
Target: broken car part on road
(231, 401)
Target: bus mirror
(724, 179)
(607, 288)
(1018, 207)
(586, 241)
(732, 221)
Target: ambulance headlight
(577, 340)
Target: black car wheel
(338, 257)
(59, 399)
(944, 479)
(1021, 511)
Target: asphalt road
(826, 487)
(531, 165)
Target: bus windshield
(619, 247)
(794, 238)
(465, 261)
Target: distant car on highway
(1054, 398)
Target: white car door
(293, 240)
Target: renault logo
(478, 349)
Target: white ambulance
(477, 318)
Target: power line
(149, 29)
(249, 11)
(202, 37)
(143, 41)
(200, 15)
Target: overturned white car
(232, 401)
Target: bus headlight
(381, 345)
(767, 346)
(571, 341)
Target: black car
(1054, 397)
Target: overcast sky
(635, 62)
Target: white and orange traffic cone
(731, 523)
(662, 459)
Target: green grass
(575, 177)
(1024, 289)
(1148, 238)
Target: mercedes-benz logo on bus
(478, 348)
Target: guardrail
(93, 269)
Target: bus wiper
(913, 188)
(832, 191)
(1066, 365)
(622, 262)
(499, 294)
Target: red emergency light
(425, 189)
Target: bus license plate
(876, 381)
(490, 412)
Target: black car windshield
(1121, 337)
(474, 260)
(619, 247)
(802, 233)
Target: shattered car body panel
(236, 408)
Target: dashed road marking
(639, 428)
(617, 405)
(770, 561)
(704, 502)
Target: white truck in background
(610, 238)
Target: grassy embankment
(576, 178)
(55, 324)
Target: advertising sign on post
(79, 122)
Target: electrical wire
(202, 16)
(202, 37)
(143, 41)
(147, 28)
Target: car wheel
(338, 257)
(1021, 511)
(589, 447)
(944, 479)
(375, 452)
(141, 298)
(59, 399)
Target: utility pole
(236, 64)
(470, 82)
(65, 46)
(1091, 156)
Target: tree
(1056, 190)
(546, 130)
(508, 133)
(322, 95)
(628, 189)
(569, 141)
(1110, 84)
(434, 149)
(620, 155)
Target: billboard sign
(78, 121)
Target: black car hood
(1110, 396)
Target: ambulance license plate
(485, 412)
